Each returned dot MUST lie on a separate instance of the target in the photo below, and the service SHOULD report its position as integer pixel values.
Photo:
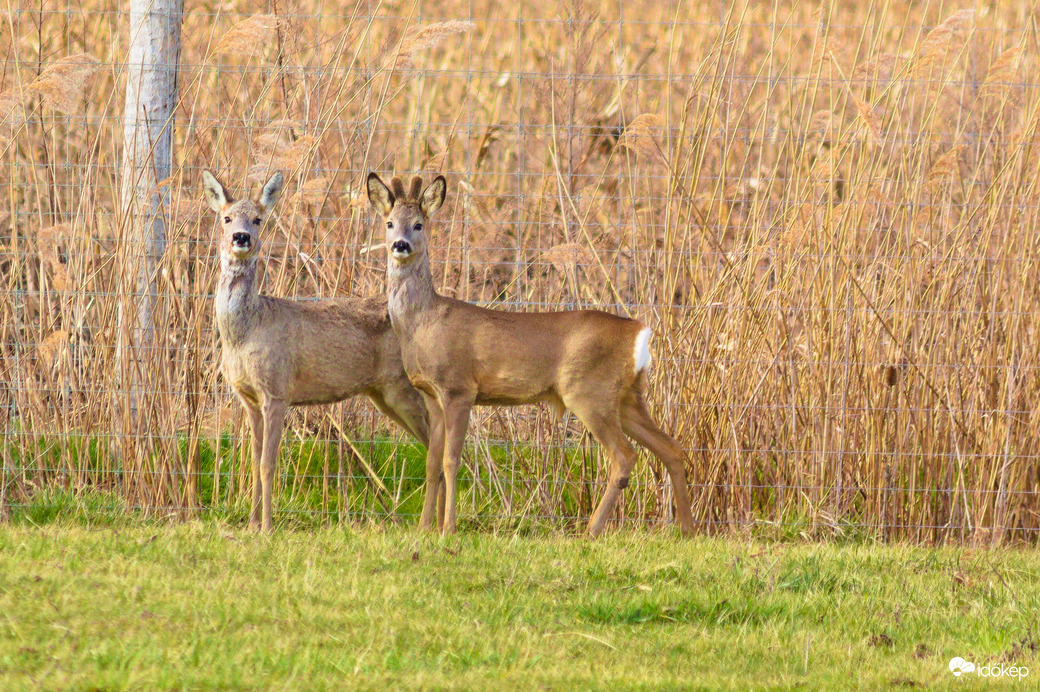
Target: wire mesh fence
(826, 212)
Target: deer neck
(237, 299)
(410, 290)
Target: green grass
(385, 477)
(207, 605)
(307, 487)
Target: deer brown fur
(460, 355)
(278, 353)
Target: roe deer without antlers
(278, 353)
(458, 355)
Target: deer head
(406, 214)
(240, 221)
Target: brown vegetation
(826, 212)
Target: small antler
(413, 194)
(397, 187)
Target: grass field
(207, 606)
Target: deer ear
(272, 191)
(379, 194)
(216, 195)
(433, 196)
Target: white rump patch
(641, 352)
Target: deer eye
(227, 219)
(256, 221)
(389, 224)
(418, 226)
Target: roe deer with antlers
(278, 353)
(458, 355)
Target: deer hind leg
(637, 424)
(456, 422)
(441, 493)
(433, 503)
(402, 404)
(274, 418)
(605, 426)
(256, 425)
(416, 414)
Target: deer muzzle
(240, 242)
(401, 249)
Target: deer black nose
(241, 239)
(402, 247)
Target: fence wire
(826, 212)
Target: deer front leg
(274, 418)
(434, 478)
(256, 425)
(456, 422)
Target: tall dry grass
(826, 211)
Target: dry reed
(825, 213)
